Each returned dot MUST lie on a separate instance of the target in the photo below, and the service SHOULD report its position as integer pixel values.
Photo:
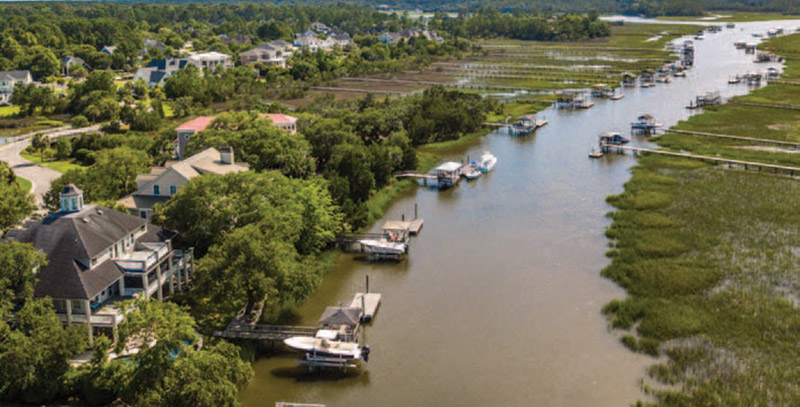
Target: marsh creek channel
(499, 300)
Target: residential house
(98, 256)
(320, 28)
(284, 122)
(163, 182)
(150, 43)
(9, 80)
(212, 60)
(308, 40)
(272, 53)
(185, 131)
(68, 61)
(109, 49)
(158, 70)
(341, 38)
(240, 39)
(407, 34)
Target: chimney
(226, 155)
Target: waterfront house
(97, 257)
(9, 80)
(284, 122)
(407, 34)
(68, 61)
(165, 181)
(185, 131)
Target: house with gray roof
(150, 43)
(109, 49)
(68, 61)
(158, 70)
(9, 80)
(163, 182)
(97, 257)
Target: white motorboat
(324, 348)
(472, 174)
(488, 161)
(383, 248)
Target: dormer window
(156, 190)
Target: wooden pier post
(415, 210)
(366, 288)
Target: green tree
(63, 148)
(209, 377)
(208, 207)
(35, 356)
(17, 264)
(15, 203)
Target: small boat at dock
(596, 152)
(472, 174)
(487, 163)
(324, 347)
(734, 80)
(384, 249)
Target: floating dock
(368, 304)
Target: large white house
(97, 257)
(9, 80)
(272, 53)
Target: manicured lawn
(8, 110)
(60, 166)
(24, 184)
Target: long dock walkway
(264, 332)
(741, 138)
(747, 165)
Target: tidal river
(499, 300)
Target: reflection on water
(499, 301)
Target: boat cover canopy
(449, 166)
(340, 316)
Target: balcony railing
(95, 319)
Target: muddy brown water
(499, 300)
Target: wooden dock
(264, 332)
(287, 404)
(415, 226)
(368, 304)
(746, 165)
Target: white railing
(104, 319)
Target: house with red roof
(185, 132)
(285, 122)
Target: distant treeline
(488, 23)
(632, 7)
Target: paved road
(39, 176)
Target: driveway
(39, 176)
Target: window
(156, 190)
(173, 190)
(143, 214)
(186, 137)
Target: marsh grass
(709, 258)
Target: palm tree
(40, 143)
